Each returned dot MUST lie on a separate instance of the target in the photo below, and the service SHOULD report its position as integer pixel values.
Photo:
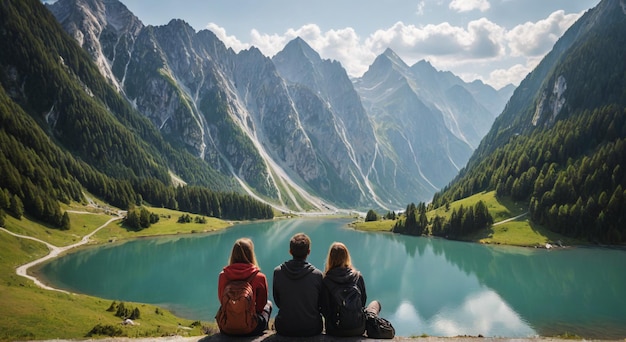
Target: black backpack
(378, 327)
(346, 309)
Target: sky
(496, 41)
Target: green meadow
(511, 225)
(31, 313)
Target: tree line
(572, 175)
(462, 221)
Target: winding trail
(511, 219)
(54, 251)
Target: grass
(519, 232)
(374, 226)
(31, 313)
(80, 225)
(167, 225)
(500, 209)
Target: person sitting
(296, 288)
(242, 291)
(343, 295)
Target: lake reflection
(426, 286)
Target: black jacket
(297, 287)
(340, 275)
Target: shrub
(105, 330)
(371, 216)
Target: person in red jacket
(243, 266)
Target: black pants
(264, 319)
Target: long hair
(243, 252)
(338, 256)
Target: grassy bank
(29, 312)
(511, 225)
(167, 225)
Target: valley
(117, 133)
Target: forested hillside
(64, 129)
(560, 143)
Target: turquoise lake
(426, 285)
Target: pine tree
(16, 207)
(371, 216)
(65, 222)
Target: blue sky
(497, 41)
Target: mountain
(332, 117)
(291, 130)
(105, 29)
(559, 143)
(429, 119)
(468, 109)
(66, 131)
(230, 109)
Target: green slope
(567, 164)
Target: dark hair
(300, 246)
(243, 252)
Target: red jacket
(242, 271)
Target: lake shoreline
(271, 337)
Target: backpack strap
(251, 277)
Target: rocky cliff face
(293, 129)
(425, 118)
(105, 29)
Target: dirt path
(54, 251)
(511, 219)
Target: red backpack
(237, 312)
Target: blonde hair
(338, 256)
(243, 252)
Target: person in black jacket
(296, 288)
(339, 273)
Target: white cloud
(486, 39)
(513, 75)
(536, 39)
(420, 7)
(270, 44)
(441, 43)
(230, 41)
(480, 50)
(469, 5)
(343, 45)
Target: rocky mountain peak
(104, 28)
(288, 123)
(97, 14)
(387, 63)
(299, 46)
(297, 62)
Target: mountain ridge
(243, 113)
